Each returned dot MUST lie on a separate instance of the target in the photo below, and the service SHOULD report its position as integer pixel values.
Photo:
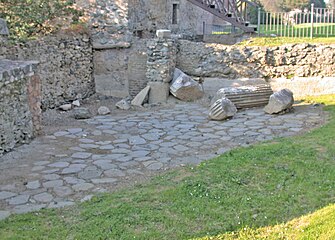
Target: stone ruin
(124, 56)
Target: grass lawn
(300, 30)
(269, 188)
(278, 41)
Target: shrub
(30, 18)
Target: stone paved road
(108, 151)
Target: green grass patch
(279, 41)
(318, 225)
(260, 186)
(299, 30)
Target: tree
(289, 5)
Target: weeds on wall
(28, 19)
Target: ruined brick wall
(295, 60)
(66, 66)
(20, 103)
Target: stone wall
(120, 72)
(66, 66)
(147, 16)
(109, 23)
(161, 63)
(216, 60)
(20, 103)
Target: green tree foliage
(29, 18)
(288, 5)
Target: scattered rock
(279, 102)
(65, 107)
(184, 87)
(81, 113)
(222, 109)
(123, 104)
(103, 110)
(76, 103)
(141, 97)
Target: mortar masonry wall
(217, 60)
(20, 103)
(66, 66)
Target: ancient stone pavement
(110, 151)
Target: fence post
(259, 22)
(312, 19)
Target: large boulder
(222, 109)
(184, 87)
(279, 102)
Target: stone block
(184, 87)
(163, 33)
(159, 92)
(222, 109)
(280, 101)
(141, 97)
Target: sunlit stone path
(110, 151)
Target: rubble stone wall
(20, 103)
(288, 61)
(65, 69)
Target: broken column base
(159, 92)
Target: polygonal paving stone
(73, 168)
(59, 164)
(104, 164)
(61, 133)
(82, 187)
(63, 191)
(33, 185)
(52, 184)
(20, 199)
(86, 140)
(81, 155)
(155, 166)
(75, 130)
(114, 173)
(136, 140)
(73, 180)
(51, 177)
(107, 147)
(5, 195)
(89, 173)
(43, 197)
(142, 153)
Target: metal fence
(313, 22)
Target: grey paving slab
(74, 163)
